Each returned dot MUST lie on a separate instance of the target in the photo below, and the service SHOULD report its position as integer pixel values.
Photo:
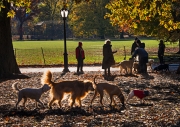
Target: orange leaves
(7, 119)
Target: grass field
(51, 52)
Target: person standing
(80, 56)
(143, 57)
(161, 51)
(134, 46)
(108, 58)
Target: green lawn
(51, 52)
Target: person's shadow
(109, 78)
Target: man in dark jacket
(161, 51)
(143, 57)
(108, 58)
(80, 56)
(134, 46)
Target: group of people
(137, 51)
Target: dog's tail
(47, 77)
(15, 87)
(95, 79)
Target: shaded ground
(162, 108)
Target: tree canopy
(146, 16)
(89, 17)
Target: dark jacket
(161, 49)
(134, 45)
(141, 52)
(108, 58)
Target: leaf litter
(162, 108)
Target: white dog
(32, 93)
(150, 62)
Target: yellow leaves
(175, 26)
(1, 5)
(170, 22)
(162, 22)
(164, 14)
(135, 25)
(11, 14)
(18, 3)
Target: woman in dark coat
(108, 58)
(161, 51)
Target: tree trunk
(20, 32)
(8, 64)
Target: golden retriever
(77, 89)
(136, 65)
(110, 89)
(127, 65)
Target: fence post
(124, 53)
(43, 55)
(15, 52)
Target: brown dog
(110, 89)
(77, 89)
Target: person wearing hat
(108, 58)
(80, 56)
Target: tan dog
(110, 89)
(136, 64)
(77, 89)
(127, 65)
(32, 93)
